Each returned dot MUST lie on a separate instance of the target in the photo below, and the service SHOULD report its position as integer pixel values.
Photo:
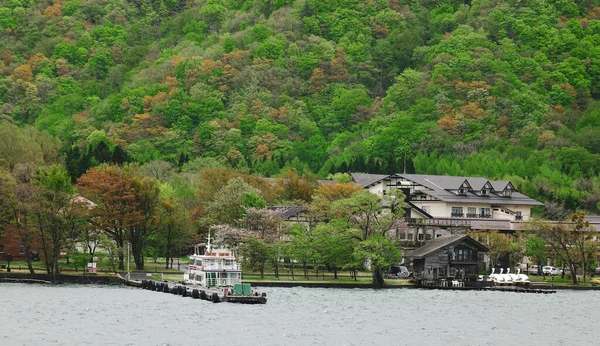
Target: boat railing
(222, 267)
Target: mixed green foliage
(501, 89)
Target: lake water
(103, 315)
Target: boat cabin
(215, 267)
(454, 256)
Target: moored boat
(508, 278)
(216, 275)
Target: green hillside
(500, 89)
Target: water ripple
(98, 315)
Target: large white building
(472, 202)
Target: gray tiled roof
(438, 243)
(287, 211)
(499, 185)
(515, 199)
(477, 183)
(440, 184)
(367, 179)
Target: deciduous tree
(572, 242)
(60, 217)
(535, 249)
(146, 200)
(227, 206)
(16, 201)
(117, 208)
(366, 212)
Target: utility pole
(128, 274)
(9, 258)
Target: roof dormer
(464, 188)
(508, 190)
(486, 190)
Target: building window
(21, 249)
(1, 248)
(484, 192)
(518, 216)
(438, 235)
(471, 212)
(485, 212)
(421, 236)
(403, 235)
(507, 193)
(428, 236)
(464, 255)
(462, 191)
(457, 212)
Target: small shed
(453, 256)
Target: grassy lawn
(549, 279)
(558, 281)
(158, 267)
(168, 277)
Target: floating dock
(481, 286)
(215, 295)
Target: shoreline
(116, 279)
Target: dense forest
(500, 89)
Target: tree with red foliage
(117, 208)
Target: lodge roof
(444, 188)
(368, 179)
(287, 211)
(441, 242)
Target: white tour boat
(216, 275)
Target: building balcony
(464, 259)
(457, 215)
(438, 222)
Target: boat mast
(208, 249)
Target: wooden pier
(211, 294)
(519, 289)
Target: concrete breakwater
(62, 279)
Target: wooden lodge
(453, 257)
